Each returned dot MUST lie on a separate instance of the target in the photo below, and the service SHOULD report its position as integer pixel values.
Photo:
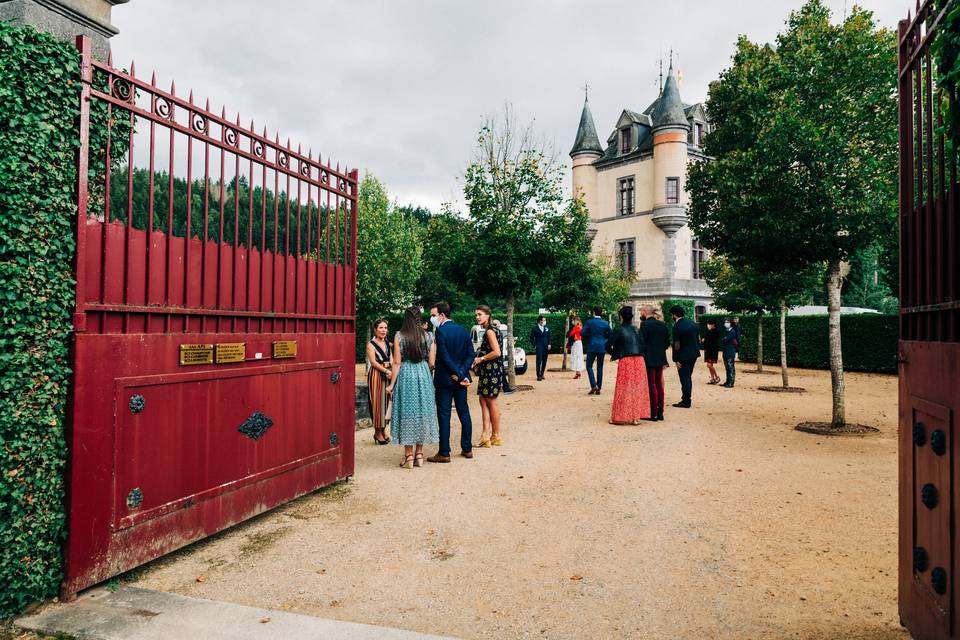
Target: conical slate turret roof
(587, 140)
(669, 110)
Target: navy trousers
(596, 382)
(458, 396)
(686, 380)
(541, 361)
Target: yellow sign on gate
(196, 354)
(231, 352)
(285, 349)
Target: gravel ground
(721, 522)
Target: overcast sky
(399, 87)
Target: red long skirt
(631, 398)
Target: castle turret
(586, 149)
(670, 130)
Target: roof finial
(586, 92)
(660, 90)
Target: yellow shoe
(484, 443)
(496, 442)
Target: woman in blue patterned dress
(414, 414)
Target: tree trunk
(760, 342)
(834, 282)
(783, 344)
(566, 332)
(511, 373)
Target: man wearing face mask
(729, 343)
(451, 377)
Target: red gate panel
(214, 325)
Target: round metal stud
(334, 439)
(134, 498)
(335, 377)
(938, 579)
(938, 442)
(929, 496)
(137, 403)
(919, 434)
(919, 559)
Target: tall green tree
(520, 228)
(805, 145)
(389, 255)
(444, 238)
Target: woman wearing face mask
(711, 350)
(729, 342)
(379, 355)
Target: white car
(519, 355)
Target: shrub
(869, 341)
(689, 308)
(39, 98)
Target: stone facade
(635, 190)
(66, 19)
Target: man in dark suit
(686, 350)
(594, 336)
(540, 337)
(656, 337)
(451, 378)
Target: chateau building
(635, 190)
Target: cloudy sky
(399, 87)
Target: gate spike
(299, 149)
(173, 88)
(133, 68)
(190, 99)
(251, 126)
(264, 132)
(238, 119)
(110, 58)
(153, 79)
(288, 145)
(206, 107)
(223, 112)
(276, 138)
(310, 153)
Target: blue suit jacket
(594, 335)
(455, 355)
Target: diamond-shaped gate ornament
(255, 426)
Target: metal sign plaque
(231, 352)
(196, 354)
(285, 349)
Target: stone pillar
(66, 19)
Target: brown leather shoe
(438, 458)
(466, 454)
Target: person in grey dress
(414, 415)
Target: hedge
(869, 341)
(689, 309)
(522, 324)
(39, 98)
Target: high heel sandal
(407, 461)
(379, 432)
(496, 442)
(485, 444)
(418, 460)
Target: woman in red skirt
(631, 398)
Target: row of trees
(521, 244)
(801, 183)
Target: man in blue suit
(451, 378)
(540, 338)
(594, 336)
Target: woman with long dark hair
(414, 419)
(379, 361)
(488, 367)
(631, 398)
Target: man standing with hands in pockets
(451, 378)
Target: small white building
(635, 190)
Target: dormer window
(626, 140)
(701, 132)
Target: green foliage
(946, 53)
(39, 98)
(689, 309)
(445, 240)
(870, 342)
(388, 254)
(866, 284)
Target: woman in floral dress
(414, 415)
(488, 367)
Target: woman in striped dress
(379, 374)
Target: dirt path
(721, 522)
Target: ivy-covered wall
(869, 341)
(39, 98)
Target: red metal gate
(929, 350)
(214, 326)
